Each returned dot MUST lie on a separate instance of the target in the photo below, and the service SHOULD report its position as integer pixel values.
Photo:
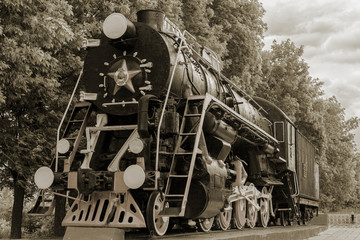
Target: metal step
(70, 138)
(187, 134)
(175, 196)
(178, 176)
(192, 115)
(76, 121)
(198, 151)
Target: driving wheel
(251, 212)
(264, 209)
(239, 213)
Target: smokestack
(153, 18)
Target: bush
(4, 228)
(44, 227)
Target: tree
(287, 82)
(339, 159)
(31, 35)
(242, 29)
(196, 18)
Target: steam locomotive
(160, 137)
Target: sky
(329, 30)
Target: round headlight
(134, 176)
(63, 146)
(115, 25)
(44, 177)
(136, 145)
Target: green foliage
(4, 228)
(33, 33)
(340, 162)
(242, 29)
(287, 82)
(33, 58)
(36, 226)
(196, 17)
(5, 210)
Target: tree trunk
(60, 202)
(16, 217)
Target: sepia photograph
(179, 119)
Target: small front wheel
(156, 224)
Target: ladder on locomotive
(178, 184)
(74, 130)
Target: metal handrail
(213, 55)
(62, 120)
(174, 29)
(296, 185)
(165, 103)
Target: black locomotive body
(160, 136)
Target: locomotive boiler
(160, 137)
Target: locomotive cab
(298, 155)
(284, 131)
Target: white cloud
(345, 39)
(289, 17)
(329, 30)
